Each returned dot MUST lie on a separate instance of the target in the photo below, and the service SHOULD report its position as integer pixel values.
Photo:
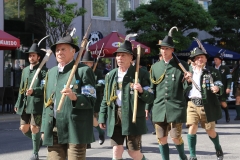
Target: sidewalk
(7, 117)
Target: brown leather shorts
(196, 114)
(32, 119)
(133, 142)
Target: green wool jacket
(108, 108)
(236, 78)
(210, 100)
(34, 102)
(100, 83)
(74, 121)
(169, 97)
(226, 79)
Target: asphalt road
(15, 146)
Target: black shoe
(89, 146)
(193, 158)
(237, 118)
(185, 158)
(101, 139)
(219, 155)
(154, 132)
(34, 157)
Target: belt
(197, 101)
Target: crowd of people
(173, 92)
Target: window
(144, 1)
(121, 6)
(14, 10)
(101, 9)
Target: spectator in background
(107, 69)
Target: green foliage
(153, 21)
(227, 15)
(58, 18)
(99, 8)
(123, 5)
(12, 11)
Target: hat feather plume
(130, 35)
(170, 31)
(73, 32)
(200, 45)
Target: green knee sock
(192, 141)
(216, 143)
(181, 153)
(36, 142)
(100, 131)
(164, 151)
(238, 110)
(28, 134)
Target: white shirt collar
(60, 68)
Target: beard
(33, 62)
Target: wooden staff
(82, 48)
(135, 82)
(98, 57)
(45, 59)
(185, 71)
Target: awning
(111, 43)
(211, 50)
(8, 42)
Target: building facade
(105, 16)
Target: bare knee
(118, 151)
(34, 129)
(24, 128)
(192, 129)
(177, 141)
(162, 140)
(211, 133)
(136, 155)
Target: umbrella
(8, 42)
(110, 44)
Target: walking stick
(185, 71)
(45, 59)
(98, 57)
(82, 48)
(135, 82)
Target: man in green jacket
(226, 79)
(236, 89)
(169, 107)
(66, 132)
(203, 104)
(30, 100)
(117, 106)
(89, 61)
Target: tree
(227, 30)
(14, 10)
(58, 18)
(154, 20)
(99, 8)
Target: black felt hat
(87, 57)
(126, 46)
(168, 41)
(220, 55)
(200, 50)
(65, 40)
(34, 48)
